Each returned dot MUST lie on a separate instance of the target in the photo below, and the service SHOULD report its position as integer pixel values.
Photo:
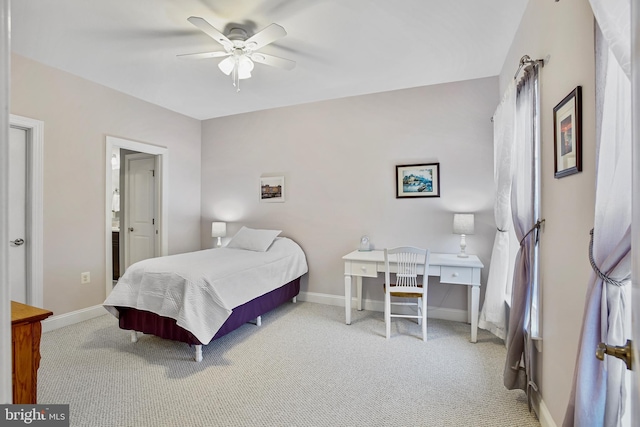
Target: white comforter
(200, 289)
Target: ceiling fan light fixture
(244, 75)
(226, 65)
(245, 66)
(239, 49)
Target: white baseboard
(67, 319)
(541, 410)
(374, 305)
(545, 416)
(88, 313)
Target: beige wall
(338, 158)
(77, 116)
(564, 32)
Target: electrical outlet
(85, 277)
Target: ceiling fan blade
(204, 55)
(209, 30)
(270, 34)
(273, 61)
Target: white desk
(448, 267)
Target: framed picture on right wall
(567, 134)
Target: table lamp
(463, 225)
(219, 230)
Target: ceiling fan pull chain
(236, 74)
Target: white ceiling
(342, 47)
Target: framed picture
(272, 189)
(421, 180)
(567, 134)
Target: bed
(200, 296)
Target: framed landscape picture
(421, 180)
(567, 134)
(272, 189)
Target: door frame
(34, 211)
(5, 294)
(635, 209)
(162, 199)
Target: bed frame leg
(134, 336)
(198, 353)
(259, 321)
(295, 299)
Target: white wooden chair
(409, 284)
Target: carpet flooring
(302, 367)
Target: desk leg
(359, 292)
(347, 298)
(474, 297)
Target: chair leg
(424, 317)
(419, 311)
(387, 313)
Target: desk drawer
(365, 269)
(461, 275)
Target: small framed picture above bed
(272, 189)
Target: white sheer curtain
(598, 394)
(613, 17)
(493, 314)
(518, 370)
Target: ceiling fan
(240, 50)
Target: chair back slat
(407, 259)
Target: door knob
(621, 352)
(130, 228)
(17, 242)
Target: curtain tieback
(595, 268)
(535, 227)
(501, 230)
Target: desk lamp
(463, 225)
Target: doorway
(159, 204)
(25, 215)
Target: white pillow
(253, 239)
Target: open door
(26, 154)
(140, 208)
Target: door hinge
(153, 173)
(153, 221)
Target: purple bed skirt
(164, 327)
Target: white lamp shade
(218, 229)
(463, 224)
(245, 66)
(226, 65)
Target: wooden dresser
(25, 339)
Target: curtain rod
(525, 61)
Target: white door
(17, 214)
(140, 190)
